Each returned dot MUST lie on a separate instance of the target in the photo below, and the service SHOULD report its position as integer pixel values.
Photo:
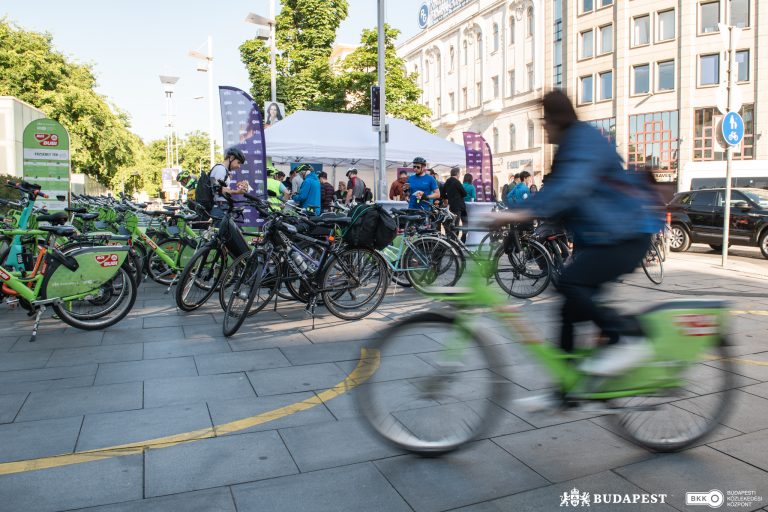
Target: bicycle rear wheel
(524, 273)
(431, 261)
(200, 278)
(109, 304)
(671, 423)
(652, 265)
(449, 402)
(354, 283)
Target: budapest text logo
(576, 498)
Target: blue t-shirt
(471, 192)
(424, 183)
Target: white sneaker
(538, 403)
(614, 359)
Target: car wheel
(679, 239)
(764, 243)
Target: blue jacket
(309, 194)
(520, 193)
(589, 190)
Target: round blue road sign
(423, 15)
(733, 128)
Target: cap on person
(351, 170)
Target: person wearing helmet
(220, 176)
(276, 187)
(186, 179)
(309, 194)
(423, 186)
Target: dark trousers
(583, 279)
(461, 213)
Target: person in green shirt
(470, 188)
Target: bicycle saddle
(86, 216)
(57, 218)
(153, 213)
(328, 220)
(76, 210)
(59, 230)
(187, 218)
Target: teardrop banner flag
(479, 165)
(243, 128)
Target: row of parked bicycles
(88, 261)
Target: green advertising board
(46, 161)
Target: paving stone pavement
(163, 373)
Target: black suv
(698, 216)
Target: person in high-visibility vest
(276, 187)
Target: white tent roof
(335, 138)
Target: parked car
(698, 216)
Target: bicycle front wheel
(431, 261)
(200, 278)
(524, 273)
(354, 283)
(652, 265)
(254, 285)
(450, 401)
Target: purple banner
(242, 128)
(479, 165)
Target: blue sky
(131, 43)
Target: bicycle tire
(99, 320)
(723, 402)
(440, 258)
(367, 264)
(522, 267)
(157, 269)
(651, 262)
(200, 278)
(252, 280)
(439, 398)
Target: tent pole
(382, 171)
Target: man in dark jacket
(326, 192)
(454, 192)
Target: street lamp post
(382, 188)
(172, 145)
(208, 68)
(269, 35)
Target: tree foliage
(33, 71)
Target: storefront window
(653, 141)
(706, 140)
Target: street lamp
(172, 139)
(264, 35)
(207, 67)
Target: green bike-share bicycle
(88, 288)
(666, 404)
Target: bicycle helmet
(271, 170)
(186, 179)
(351, 170)
(236, 154)
(304, 168)
(419, 160)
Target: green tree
(33, 71)
(194, 152)
(305, 32)
(359, 73)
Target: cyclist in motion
(611, 217)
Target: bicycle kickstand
(37, 323)
(310, 309)
(173, 282)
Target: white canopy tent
(347, 140)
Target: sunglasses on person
(418, 167)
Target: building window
(709, 15)
(512, 89)
(586, 5)
(587, 44)
(709, 69)
(466, 52)
(606, 39)
(511, 30)
(665, 73)
(739, 13)
(606, 85)
(531, 134)
(653, 141)
(641, 30)
(464, 98)
(586, 89)
(426, 71)
(452, 99)
(607, 127)
(641, 78)
(452, 58)
(495, 82)
(531, 23)
(439, 107)
(666, 25)
(512, 137)
(529, 68)
(416, 69)
(495, 37)
(479, 46)
(496, 140)
(479, 93)
(606, 3)
(706, 136)
(742, 63)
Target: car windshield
(758, 196)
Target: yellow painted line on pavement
(366, 366)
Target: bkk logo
(4, 275)
(47, 139)
(108, 260)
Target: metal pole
(382, 188)
(210, 100)
(272, 51)
(728, 160)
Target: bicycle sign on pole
(733, 128)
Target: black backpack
(372, 227)
(204, 191)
